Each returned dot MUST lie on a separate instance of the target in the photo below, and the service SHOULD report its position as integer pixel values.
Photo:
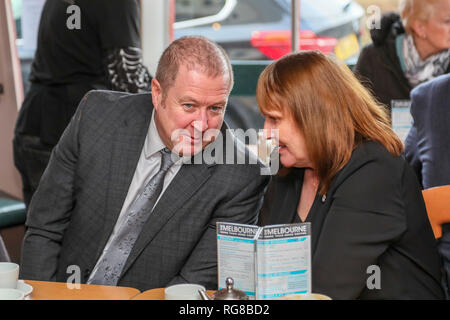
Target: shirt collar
(153, 143)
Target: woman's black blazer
(372, 215)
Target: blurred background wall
(11, 97)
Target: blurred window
(260, 29)
(194, 9)
(254, 11)
(17, 11)
(370, 8)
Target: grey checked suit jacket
(81, 193)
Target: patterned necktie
(113, 260)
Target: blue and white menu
(283, 260)
(265, 262)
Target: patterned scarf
(418, 71)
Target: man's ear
(156, 94)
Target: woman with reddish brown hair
(343, 173)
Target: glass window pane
(383, 6)
(193, 9)
(17, 11)
(260, 29)
(255, 11)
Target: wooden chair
(437, 202)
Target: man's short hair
(194, 52)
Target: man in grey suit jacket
(108, 156)
(427, 147)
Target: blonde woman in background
(408, 49)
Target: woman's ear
(419, 28)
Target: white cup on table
(9, 275)
(183, 292)
(11, 294)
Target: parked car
(260, 29)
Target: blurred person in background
(344, 173)
(408, 49)
(428, 141)
(427, 147)
(99, 49)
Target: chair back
(437, 202)
(4, 256)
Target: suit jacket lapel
(181, 189)
(184, 185)
(287, 198)
(126, 150)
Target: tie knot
(166, 159)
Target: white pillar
(11, 98)
(295, 25)
(156, 30)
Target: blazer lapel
(188, 180)
(127, 143)
(287, 198)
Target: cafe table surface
(47, 290)
(158, 294)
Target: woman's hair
(412, 10)
(331, 108)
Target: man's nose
(201, 122)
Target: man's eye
(188, 106)
(216, 109)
